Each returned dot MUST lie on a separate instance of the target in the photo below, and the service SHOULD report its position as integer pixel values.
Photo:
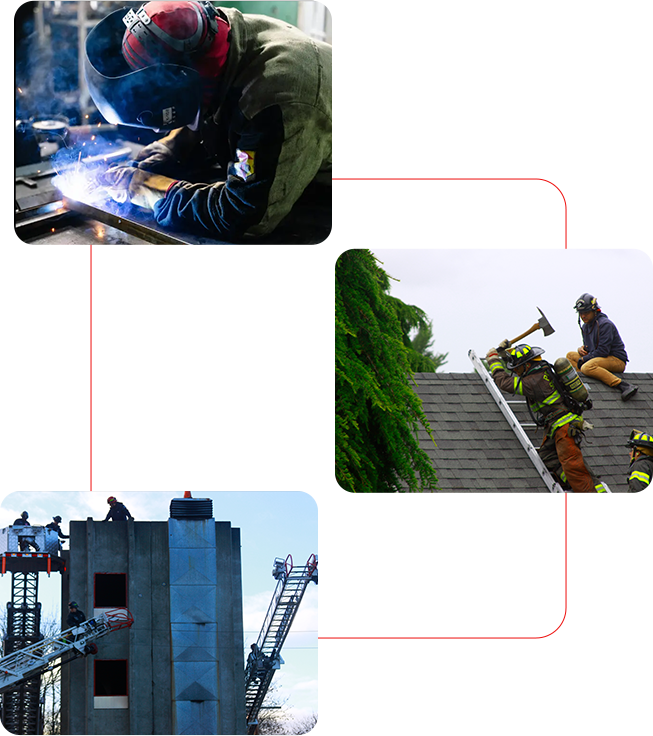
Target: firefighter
(602, 353)
(25, 542)
(54, 525)
(75, 616)
(563, 430)
(248, 92)
(640, 471)
(117, 511)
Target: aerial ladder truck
(25, 552)
(265, 658)
(78, 641)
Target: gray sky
(272, 524)
(476, 298)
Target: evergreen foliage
(377, 412)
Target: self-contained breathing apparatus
(562, 375)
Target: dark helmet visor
(161, 96)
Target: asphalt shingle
(478, 451)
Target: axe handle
(536, 326)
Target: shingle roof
(478, 451)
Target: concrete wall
(141, 550)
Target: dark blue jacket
(118, 512)
(601, 338)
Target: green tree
(424, 360)
(377, 412)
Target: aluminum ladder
(266, 657)
(517, 428)
(32, 660)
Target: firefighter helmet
(145, 68)
(111, 500)
(56, 519)
(521, 354)
(587, 303)
(641, 441)
(24, 515)
(73, 604)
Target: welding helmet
(111, 500)
(521, 354)
(587, 303)
(143, 68)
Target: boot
(627, 391)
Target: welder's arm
(274, 162)
(167, 155)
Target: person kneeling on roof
(640, 471)
(563, 429)
(602, 350)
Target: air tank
(571, 379)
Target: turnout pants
(563, 458)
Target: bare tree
(50, 679)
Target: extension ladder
(517, 428)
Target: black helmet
(521, 354)
(160, 96)
(57, 519)
(586, 303)
(640, 440)
(73, 604)
(24, 515)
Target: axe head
(545, 324)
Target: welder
(602, 353)
(246, 91)
(563, 430)
(640, 471)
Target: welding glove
(167, 155)
(130, 184)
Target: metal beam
(121, 222)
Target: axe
(542, 322)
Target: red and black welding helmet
(149, 68)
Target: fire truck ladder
(517, 428)
(78, 641)
(266, 657)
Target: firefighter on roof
(602, 353)
(530, 377)
(117, 511)
(640, 471)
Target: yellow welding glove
(141, 188)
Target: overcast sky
(476, 298)
(272, 524)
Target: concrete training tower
(179, 668)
